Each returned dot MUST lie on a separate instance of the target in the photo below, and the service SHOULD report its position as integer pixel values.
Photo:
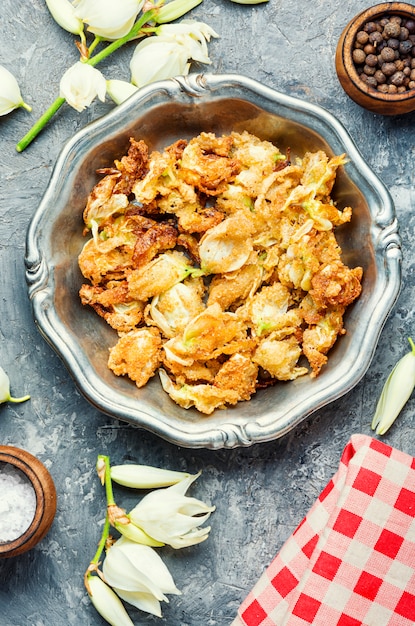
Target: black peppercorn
(387, 54)
(370, 27)
(403, 34)
(375, 38)
(372, 60)
(405, 47)
(380, 77)
(368, 70)
(371, 81)
(362, 37)
(397, 78)
(388, 69)
(392, 29)
(359, 56)
(393, 43)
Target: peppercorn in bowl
(170, 137)
(375, 58)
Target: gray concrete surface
(262, 492)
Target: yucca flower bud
(171, 11)
(10, 96)
(396, 392)
(5, 389)
(145, 476)
(106, 602)
(120, 90)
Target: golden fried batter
(136, 355)
(207, 165)
(113, 305)
(216, 262)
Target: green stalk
(37, 127)
(101, 546)
(95, 561)
(19, 400)
(94, 60)
(94, 44)
(108, 482)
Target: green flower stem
(93, 565)
(42, 121)
(101, 546)
(108, 482)
(94, 60)
(94, 44)
(18, 400)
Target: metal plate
(160, 114)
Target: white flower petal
(142, 601)
(107, 603)
(121, 573)
(199, 30)
(134, 567)
(63, 12)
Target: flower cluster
(165, 50)
(132, 570)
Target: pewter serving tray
(160, 114)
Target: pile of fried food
(216, 262)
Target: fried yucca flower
(216, 262)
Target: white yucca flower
(80, 85)
(138, 575)
(5, 389)
(10, 96)
(109, 19)
(145, 476)
(171, 517)
(396, 392)
(107, 603)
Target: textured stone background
(262, 492)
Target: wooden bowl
(43, 486)
(357, 90)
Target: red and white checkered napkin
(351, 561)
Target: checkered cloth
(351, 561)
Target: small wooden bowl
(45, 493)
(356, 89)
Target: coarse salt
(17, 502)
